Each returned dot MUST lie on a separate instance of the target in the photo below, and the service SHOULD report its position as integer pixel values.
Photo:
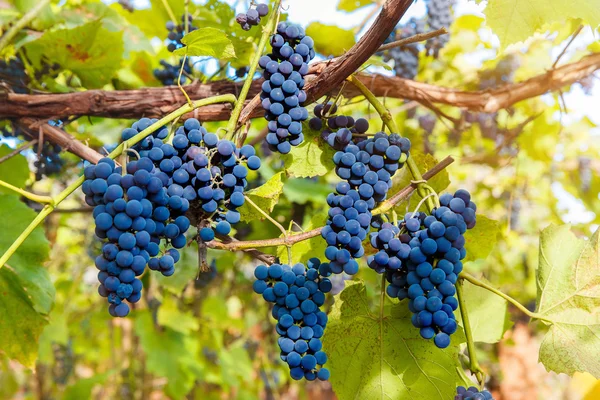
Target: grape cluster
(297, 293)
(502, 74)
(169, 74)
(136, 211)
(176, 32)
(406, 58)
(439, 15)
(282, 95)
(13, 73)
(338, 129)
(422, 260)
(367, 168)
(252, 16)
(132, 214)
(472, 393)
(49, 161)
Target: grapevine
(315, 185)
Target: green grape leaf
(371, 358)
(515, 20)
(481, 240)
(311, 158)
(302, 191)
(206, 42)
(169, 354)
(264, 196)
(568, 283)
(482, 303)
(14, 170)
(330, 40)
(313, 247)
(91, 51)
(352, 5)
(25, 286)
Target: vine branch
(28, 195)
(156, 102)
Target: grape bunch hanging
(366, 167)
(252, 17)
(421, 258)
(176, 32)
(282, 95)
(145, 207)
(336, 130)
(297, 293)
(169, 73)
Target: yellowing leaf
(329, 39)
(90, 51)
(264, 196)
(515, 20)
(568, 282)
(311, 158)
(206, 42)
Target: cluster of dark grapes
(439, 15)
(297, 293)
(176, 32)
(206, 171)
(252, 16)
(422, 259)
(169, 74)
(406, 58)
(367, 169)
(472, 393)
(49, 161)
(282, 95)
(136, 211)
(502, 74)
(13, 73)
(338, 129)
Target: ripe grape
(282, 95)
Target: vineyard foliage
(201, 330)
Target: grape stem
(274, 222)
(420, 37)
(169, 11)
(28, 195)
(388, 120)
(239, 105)
(22, 23)
(18, 150)
(521, 307)
(473, 364)
(226, 98)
